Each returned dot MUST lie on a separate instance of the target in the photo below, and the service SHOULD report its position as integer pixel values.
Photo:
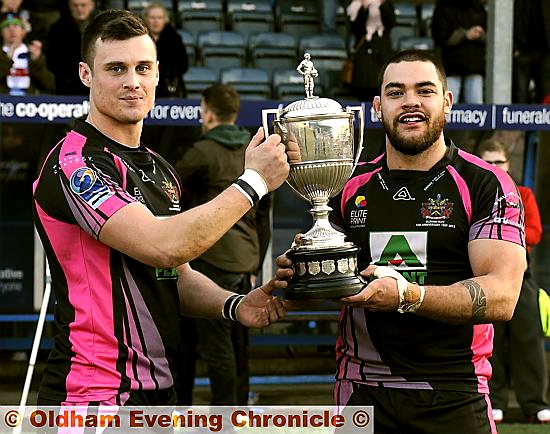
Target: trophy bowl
(318, 134)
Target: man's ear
(448, 102)
(377, 106)
(157, 73)
(85, 74)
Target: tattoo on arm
(479, 301)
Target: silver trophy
(318, 134)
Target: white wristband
(256, 181)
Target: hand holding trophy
(318, 135)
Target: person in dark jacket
(459, 32)
(63, 47)
(371, 22)
(206, 169)
(171, 52)
(531, 51)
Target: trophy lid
(312, 106)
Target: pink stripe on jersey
(353, 185)
(482, 348)
(93, 375)
(151, 365)
(122, 168)
(71, 159)
(464, 192)
(506, 222)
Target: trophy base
(324, 274)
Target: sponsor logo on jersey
(166, 273)
(89, 186)
(404, 251)
(172, 193)
(403, 194)
(437, 209)
(360, 202)
(358, 217)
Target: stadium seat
(426, 14)
(201, 16)
(247, 16)
(221, 49)
(417, 42)
(407, 22)
(190, 45)
(198, 78)
(272, 50)
(298, 17)
(251, 83)
(288, 85)
(328, 53)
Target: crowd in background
(41, 43)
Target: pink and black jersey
(116, 318)
(420, 223)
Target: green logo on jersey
(397, 252)
(166, 273)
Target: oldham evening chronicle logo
(87, 185)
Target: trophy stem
(322, 234)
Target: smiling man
(108, 213)
(415, 341)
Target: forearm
(175, 240)
(477, 300)
(200, 296)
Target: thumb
(257, 138)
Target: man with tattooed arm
(442, 249)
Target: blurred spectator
(14, 6)
(371, 22)
(531, 52)
(459, 31)
(63, 48)
(518, 345)
(23, 68)
(43, 13)
(206, 169)
(171, 52)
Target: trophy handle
(265, 113)
(361, 116)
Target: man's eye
(395, 93)
(117, 69)
(143, 68)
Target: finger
(257, 138)
(284, 274)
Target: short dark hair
(492, 145)
(223, 100)
(111, 25)
(414, 55)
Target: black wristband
(247, 188)
(229, 310)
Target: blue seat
(247, 16)
(298, 17)
(198, 78)
(201, 16)
(417, 42)
(221, 49)
(251, 83)
(272, 50)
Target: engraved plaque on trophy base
(324, 273)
